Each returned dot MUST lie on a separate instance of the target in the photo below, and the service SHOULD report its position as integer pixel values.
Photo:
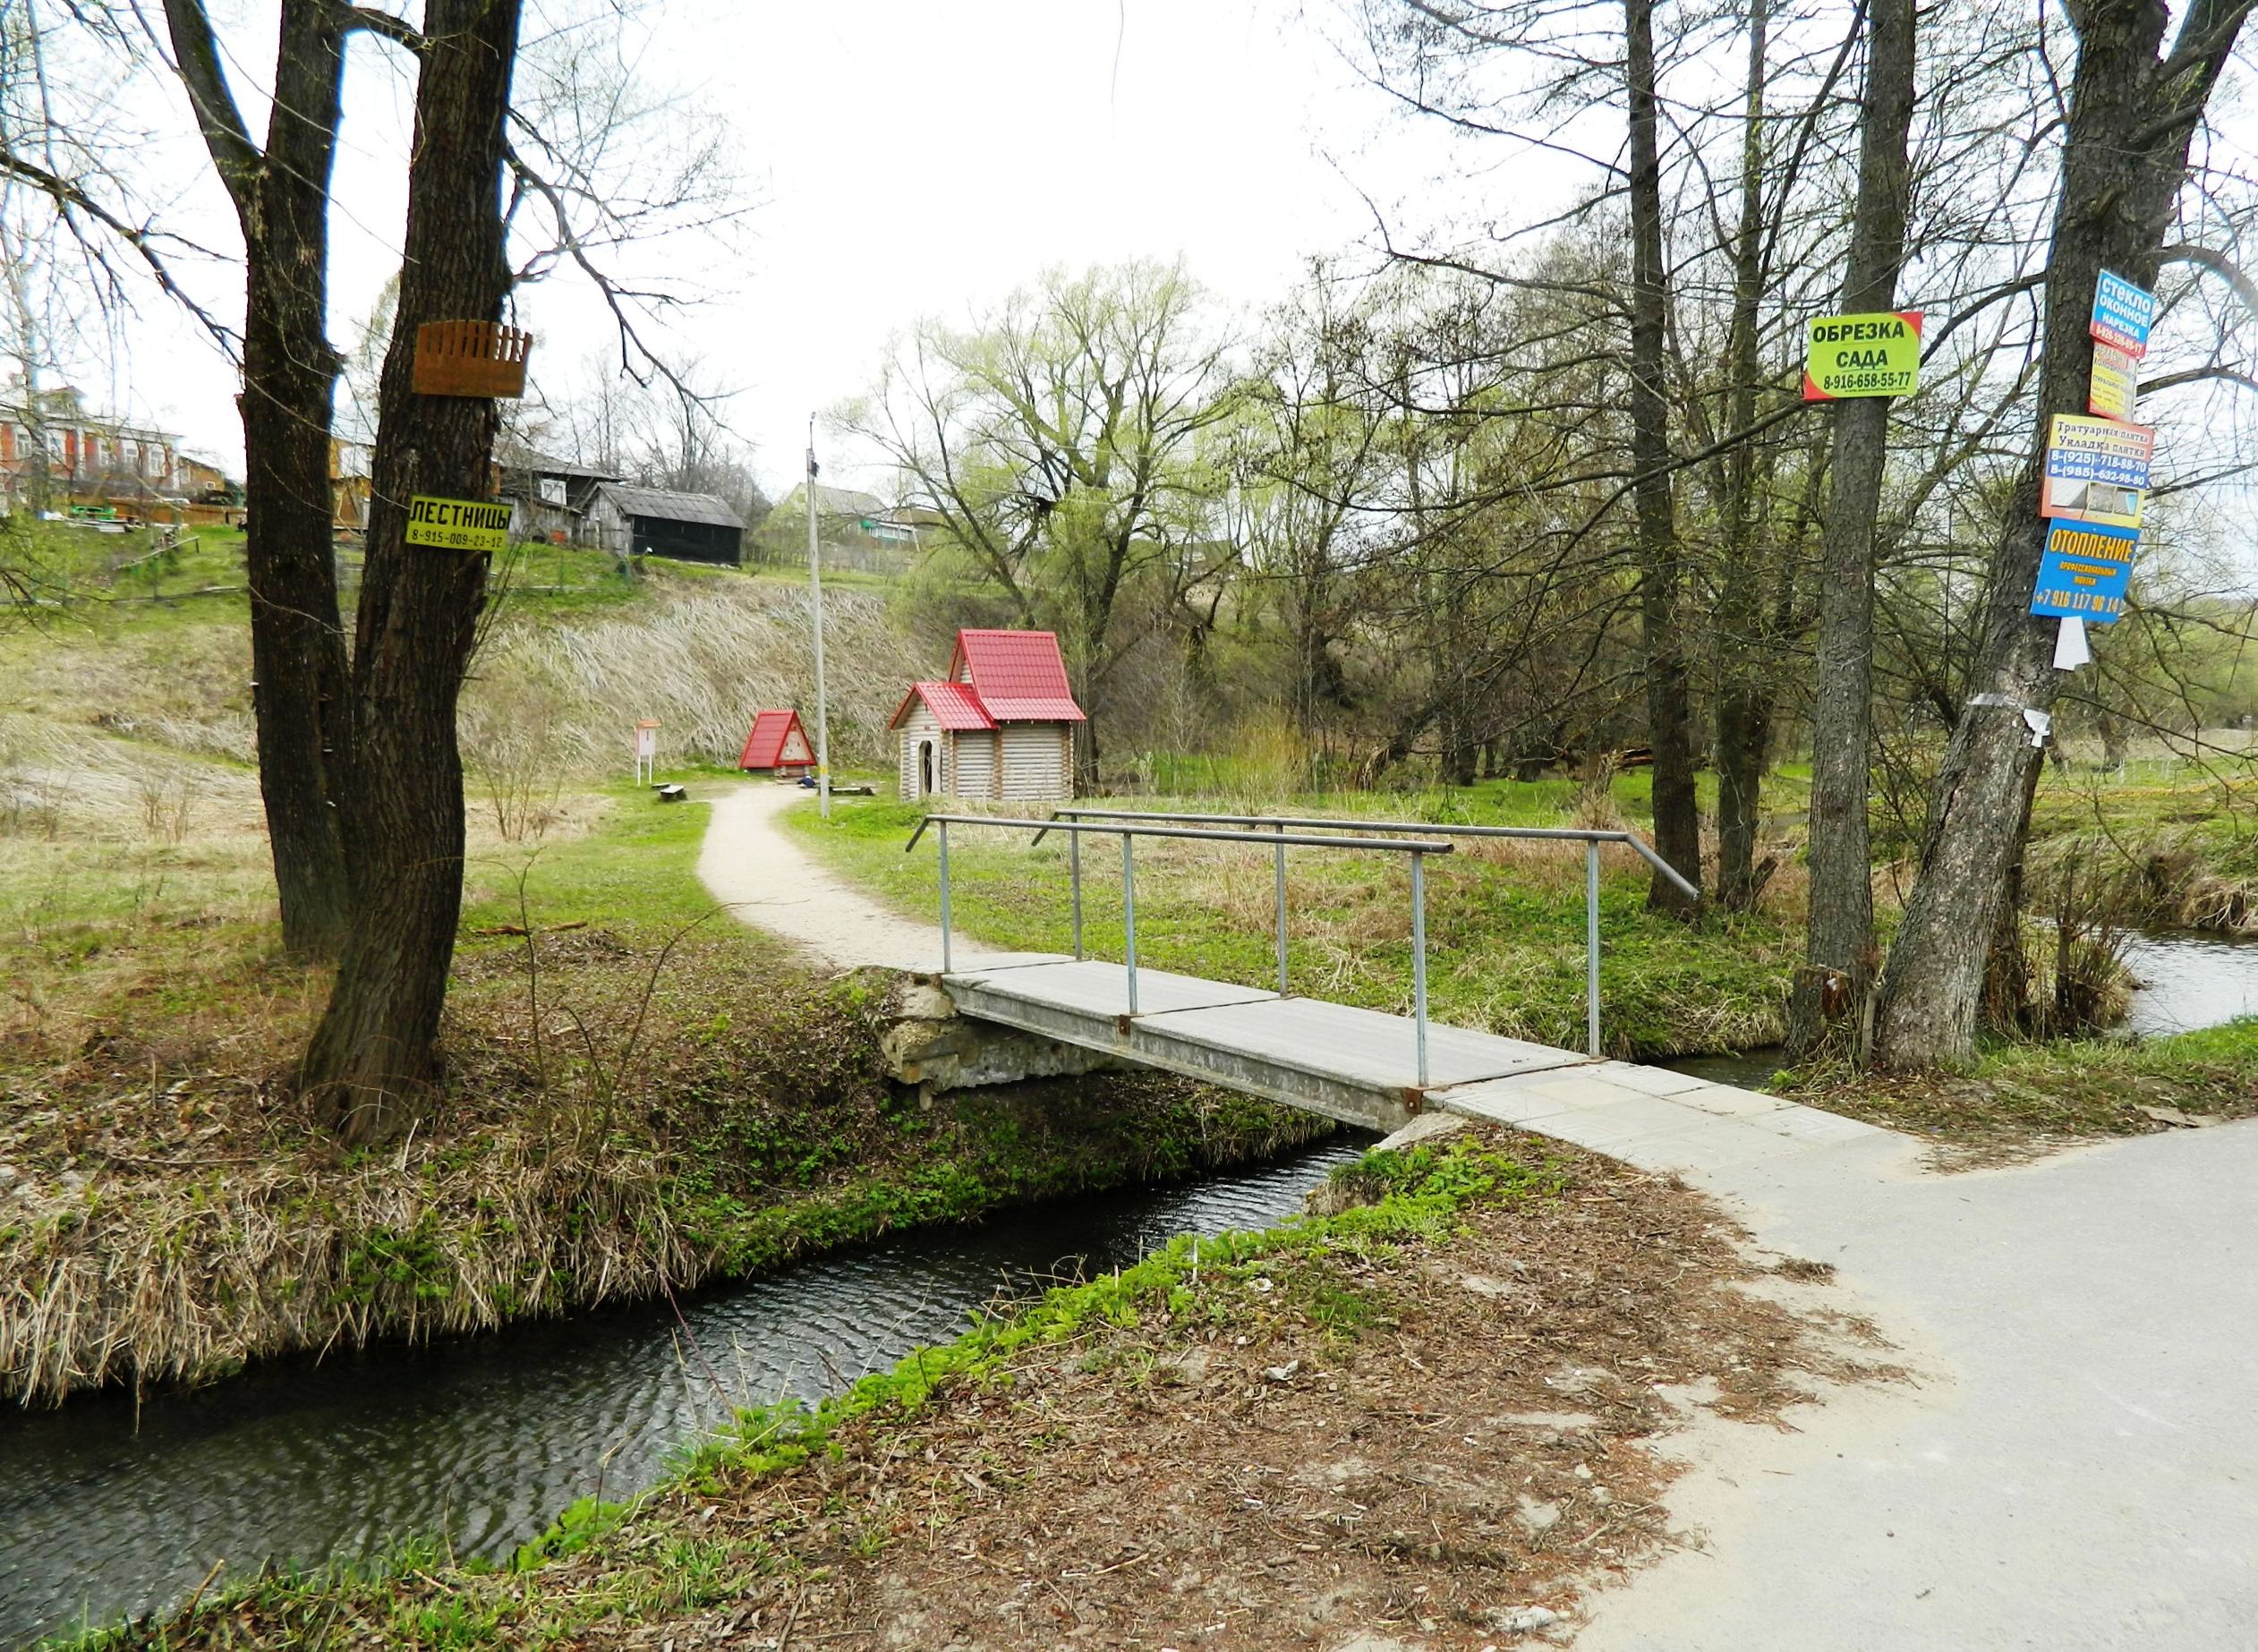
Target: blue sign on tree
(2085, 571)
(2122, 314)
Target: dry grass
(702, 658)
(700, 654)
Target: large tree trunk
(297, 642)
(1677, 821)
(1838, 939)
(376, 1048)
(2123, 166)
(1744, 667)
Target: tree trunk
(297, 640)
(1677, 821)
(376, 1048)
(2123, 165)
(1744, 671)
(1838, 939)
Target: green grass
(2020, 1094)
(1505, 926)
(735, 1101)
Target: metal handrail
(1591, 838)
(1279, 841)
(1569, 834)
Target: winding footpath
(2072, 1461)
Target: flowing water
(107, 1507)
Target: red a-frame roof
(1019, 676)
(773, 743)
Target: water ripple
(105, 1510)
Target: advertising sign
(2084, 572)
(2096, 470)
(2122, 315)
(1876, 354)
(2114, 389)
(458, 525)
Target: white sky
(909, 158)
(912, 159)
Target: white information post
(647, 751)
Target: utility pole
(816, 584)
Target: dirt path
(759, 870)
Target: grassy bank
(1431, 1413)
(2021, 1095)
(638, 1095)
(1505, 919)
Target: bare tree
(281, 196)
(1838, 945)
(376, 1046)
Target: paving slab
(1362, 1045)
(1091, 987)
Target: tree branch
(234, 156)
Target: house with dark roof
(653, 522)
(547, 496)
(1000, 727)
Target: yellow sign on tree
(458, 525)
(1876, 354)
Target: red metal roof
(1018, 674)
(954, 704)
(777, 741)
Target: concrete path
(2076, 1464)
(755, 867)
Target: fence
(1279, 824)
(1279, 841)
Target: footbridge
(1360, 1066)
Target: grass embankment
(633, 1101)
(1505, 918)
(2022, 1095)
(1431, 1413)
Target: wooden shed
(1001, 726)
(776, 745)
(654, 522)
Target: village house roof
(1019, 674)
(765, 746)
(954, 706)
(511, 456)
(999, 677)
(668, 507)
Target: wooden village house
(1002, 726)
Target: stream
(107, 1508)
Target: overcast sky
(908, 159)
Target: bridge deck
(1357, 1065)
